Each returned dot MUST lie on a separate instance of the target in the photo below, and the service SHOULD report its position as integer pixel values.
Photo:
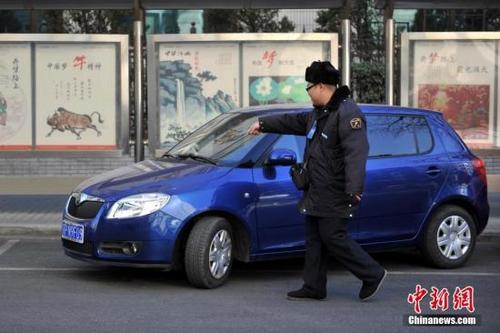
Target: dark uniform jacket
(338, 152)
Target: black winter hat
(322, 72)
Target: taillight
(480, 169)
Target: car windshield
(223, 140)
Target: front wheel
(449, 237)
(208, 256)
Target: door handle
(433, 171)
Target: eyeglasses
(312, 85)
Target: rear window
(397, 135)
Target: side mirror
(281, 157)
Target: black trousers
(328, 236)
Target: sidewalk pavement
(33, 206)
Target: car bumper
(146, 241)
(116, 263)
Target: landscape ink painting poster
(457, 78)
(76, 96)
(197, 82)
(15, 97)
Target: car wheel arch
(459, 201)
(241, 235)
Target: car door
(280, 225)
(405, 171)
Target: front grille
(86, 210)
(86, 247)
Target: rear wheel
(208, 256)
(449, 237)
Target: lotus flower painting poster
(277, 89)
(197, 82)
(274, 71)
(76, 94)
(457, 78)
(15, 97)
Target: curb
(52, 230)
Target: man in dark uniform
(335, 157)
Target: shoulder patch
(356, 123)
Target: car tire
(208, 257)
(449, 237)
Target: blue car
(222, 195)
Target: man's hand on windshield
(254, 128)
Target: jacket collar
(333, 104)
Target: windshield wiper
(198, 158)
(168, 155)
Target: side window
(294, 142)
(450, 140)
(393, 135)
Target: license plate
(73, 232)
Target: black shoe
(304, 295)
(370, 289)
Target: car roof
(366, 108)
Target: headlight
(138, 205)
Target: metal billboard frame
(122, 64)
(154, 40)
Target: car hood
(166, 176)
